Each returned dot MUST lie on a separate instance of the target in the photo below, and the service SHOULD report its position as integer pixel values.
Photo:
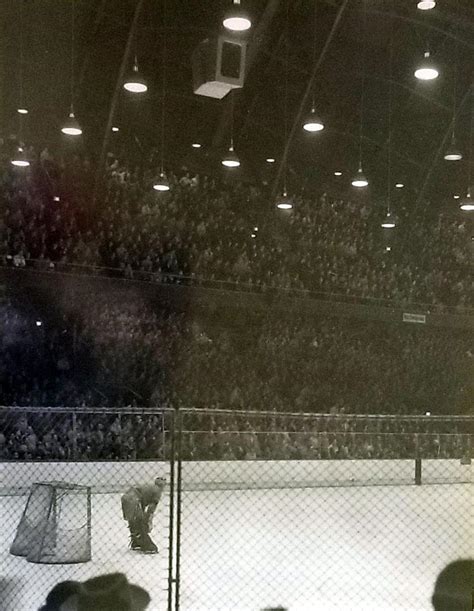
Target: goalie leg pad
(132, 508)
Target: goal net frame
(48, 531)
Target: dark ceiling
(286, 38)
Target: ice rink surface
(358, 548)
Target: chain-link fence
(259, 509)
(54, 462)
(320, 511)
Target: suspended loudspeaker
(218, 66)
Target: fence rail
(69, 433)
(225, 285)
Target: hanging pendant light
(360, 179)
(21, 109)
(426, 5)
(135, 83)
(231, 160)
(467, 203)
(237, 20)
(161, 183)
(72, 127)
(389, 221)
(452, 152)
(283, 202)
(20, 160)
(426, 71)
(313, 123)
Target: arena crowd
(121, 351)
(220, 436)
(54, 216)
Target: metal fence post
(171, 517)
(120, 436)
(74, 436)
(178, 506)
(418, 471)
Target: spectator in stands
(203, 232)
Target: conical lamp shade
(231, 160)
(19, 160)
(283, 202)
(426, 71)
(135, 83)
(426, 5)
(72, 127)
(452, 152)
(237, 20)
(389, 221)
(359, 179)
(161, 184)
(313, 123)
(467, 203)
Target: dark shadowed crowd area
(119, 351)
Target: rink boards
(301, 534)
(16, 478)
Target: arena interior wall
(17, 477)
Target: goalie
(138, 507)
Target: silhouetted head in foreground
(110, 592)
(454, 587)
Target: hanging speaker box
(218, 66)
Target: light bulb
(313, 123)
(283, 203)
(20, 160)
(427, 71)
(236, 19)
(467, 203)
(359, 179)
(388, 222)
(72, 127)
(426, 5)
(231, 160)
(452, 152)
(161, 184)
(135, 83)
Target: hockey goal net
(55, 527)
